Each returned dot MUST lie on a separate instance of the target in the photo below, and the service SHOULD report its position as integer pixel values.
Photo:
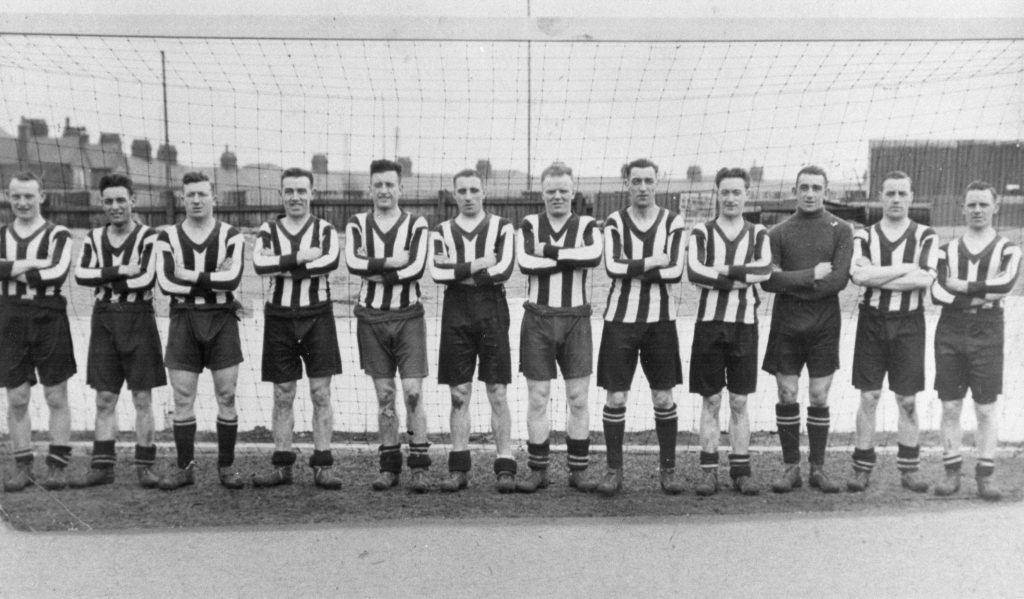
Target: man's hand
(657, 260)
(722, 269)
(398, 260)
(225, 265)
(442, 259)
(862, 261)
(822, 270)
(956, 285)
(129, 270)
(483, 263)
(538, 250)
(180, 272)
(307, 255)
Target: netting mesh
(509, 108)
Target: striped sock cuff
(614, 415)
(984, 468)
(817, 416)
(103, 456)
(390, 458)
(59, 456)
(708, 461)
(739, 465)
(578, 451)
(24, 456)
(864, 459)
(952, 462)
(538, 455)
(663, 414)
(787, 414)
(224, 421)
(908, 458)
(187, 422)
(418, 456)
(145, 455)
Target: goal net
(75, 107)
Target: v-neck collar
(472, 233)
(642, 233)
(187, 241)
(887, 243)
(739, 235)
(552, 232)
(31, 235)
(128, 240)
(297, 234)
(984, 251)
(393, 230)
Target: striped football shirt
(367, 247)
(275, 255)
(101, 259)
(749, 258)
(917, 245)
(558, 279)
(635, 295)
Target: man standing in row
(473, 255)
(199, 266)
(727, 257)
(556, 251)
(119, 262)
(299, 251)
(643, 255)
(811, 253)
(35, 256)
(387, 247)
(894, 260)
(974, 274)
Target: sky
(446, 104)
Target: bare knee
(142, 400)
(616, 399)
(713, 403)
(106, 401)
(907, 404)
(662, 398)
(460, 395)
(788, 389)
(737, 403)
(18, 398)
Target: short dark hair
(638, 163)
(556, 169)
(383, 165)
(732, 173)
(27, 176)
(899, 176)
(979, 184)
(195, 177)
(117, 180)
(467, 172)
(297, 171)
(812, 169)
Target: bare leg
(501, 419)
(387, 417)
(18, 419)
(538, 424)
(145, 427)
(710, 429)
(60, 415)
(415, 412)
(282, 419)
(106, 416)
(459, 419)
(323, 412)
(739, 424)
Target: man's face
(896, 198)
(557, 191)
(641, 183)
(979, 208)
(810, 192)
(385, 189)
(296, 193)
(732, 196)
(199, 199)
(26, 199)
(118, 204)
(469, 195)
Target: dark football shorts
(35, 337)
(724, 354)
(969, 354)
(893, 343)
(474, 323)
(203, 337)
(550, 336)
(293, 336)
(392, 341)
(656, 343)
(803, 333)
(124, 346)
